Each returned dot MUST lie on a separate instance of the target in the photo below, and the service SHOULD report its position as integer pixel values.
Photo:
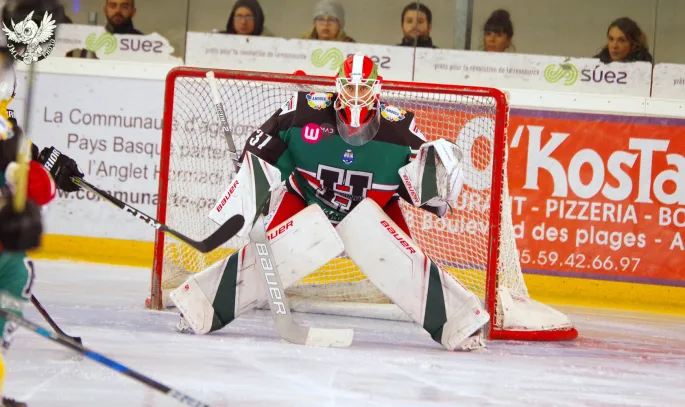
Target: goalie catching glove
(435, 177)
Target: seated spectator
(247, 18)
(120, 15)
(498, 32)
(625, 43)
(329, 23)
(417, 23)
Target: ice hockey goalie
(345, 158)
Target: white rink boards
(619, 359)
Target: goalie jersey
(302, 141)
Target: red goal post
(475, 244)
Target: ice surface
(620, 358)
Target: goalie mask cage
(475, 243)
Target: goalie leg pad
(399, 268)
(211, 299)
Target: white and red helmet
(359, 87)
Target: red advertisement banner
(599, 196)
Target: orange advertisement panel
(599, 196)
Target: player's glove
(61, 167)
(20, 231)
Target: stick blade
(222, 235)
(333, 338)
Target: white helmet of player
(359, 88)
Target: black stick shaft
(51, 321)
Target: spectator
(120, 15)
(247, 18)
(625, 43)
(498, 32)
(329, 23)
(417, 23)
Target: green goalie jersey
(302, 141)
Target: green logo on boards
(332, 57)
(106, 40)
(568, 72)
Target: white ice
(620, 358)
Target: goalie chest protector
(327, 170)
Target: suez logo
(111, 44)
(227, 196)
(381, 61)
(568, 74)
(598, 75)
(397, 236)
(333, 57)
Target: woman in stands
(626, 42)
(498, 32)
(329, 23)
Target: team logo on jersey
(348, 157)
(312, 133)
(392, 113)
(290, 105)
(319, 100)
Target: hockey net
(475, 243)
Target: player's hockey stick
(286, 327)
(23, 149)
(216, 239)
(52, 323)
(221, 111)
(7, 315)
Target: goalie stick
(216, 239)
(221, 111)
(8, 301)
(286, 327)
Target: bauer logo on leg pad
(274, 291)
(398, 237)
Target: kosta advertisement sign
(593, 196)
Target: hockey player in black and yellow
(21, 231)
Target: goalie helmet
(359, 88)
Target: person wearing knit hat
(329, 23)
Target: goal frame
(495, 217)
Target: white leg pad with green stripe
(398, 267)
(301, 245)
